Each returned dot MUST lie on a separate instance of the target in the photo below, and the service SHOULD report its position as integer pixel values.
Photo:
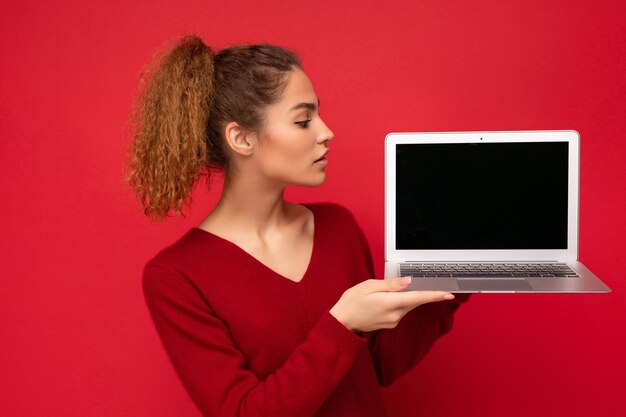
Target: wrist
(337, 315)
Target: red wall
(76, 336)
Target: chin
(313, 182)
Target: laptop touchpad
(504, 284)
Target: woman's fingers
(415, 298)
(395, 286)
(388, 284)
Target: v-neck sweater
(247, 341)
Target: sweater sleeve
(212, 369)
(396, 351)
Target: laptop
(489, 212)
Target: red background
(76, 335)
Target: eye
(304, 123)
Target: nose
(327, 134)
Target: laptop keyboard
(487, 270)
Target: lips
(322, 157)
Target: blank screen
(481, 195)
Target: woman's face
(297, 136)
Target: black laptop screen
(481, 195)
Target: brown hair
(186, 97)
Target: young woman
(267, 307)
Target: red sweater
(246, 341)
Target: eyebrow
(307, 105)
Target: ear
(239, 140)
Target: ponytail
(169, 121)
(187, 96)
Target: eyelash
(304, 123)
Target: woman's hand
(380, 304)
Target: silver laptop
(485, 212)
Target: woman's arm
(396, 351)
(213, 370)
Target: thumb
(400, 283)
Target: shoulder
(168, 257)
(337, 217)
(160, 271)
(334, 210)
(184, 258)
(168, 278)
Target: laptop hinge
(483, 261)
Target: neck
(256, 206)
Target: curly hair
(187, 95)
